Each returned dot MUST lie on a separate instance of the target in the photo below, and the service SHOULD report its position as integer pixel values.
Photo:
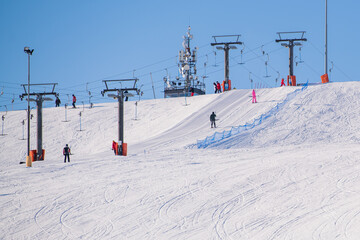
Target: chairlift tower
(40, 98)
(326, 37)
(291, 43)
(187, 71)
(120, 94)
(29, 52)
(226, 46)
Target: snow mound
(320, 114)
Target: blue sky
(80, 43)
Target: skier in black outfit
(57, 102)
(192, 91)
(126, 97)
(212, 120)
(66, 153)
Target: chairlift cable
(215, 65)
(261, 79)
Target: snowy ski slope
(295, 176)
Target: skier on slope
(212, 120)
(282, 83)
(66, 153)
(253, 96)
(218, 87)
(74, 101)
(114, 146)
(215, 87)
(126, 96)
(57, 102)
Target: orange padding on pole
(291, 80)
(33, 155)
(124, 149)
(325, 78)
(226, 87)
(42, 156)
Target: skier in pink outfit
(253, 96)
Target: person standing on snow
(57, 102)
(126, 96)
(218, 87)
(282, 83)
(212, 120)
(253, 96)
(215, 87)
(66, 153)
(114, 146)
(74, 101)
(192, 91)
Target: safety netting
(219, 136)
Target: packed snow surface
(295, 176)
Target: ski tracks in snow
(44, 211)
(222, 214)
(171, 211)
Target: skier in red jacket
(114, 146)
(218, 87)
(74, 101)
(282, 83)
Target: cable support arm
(226, 43)
(291, 40)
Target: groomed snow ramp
(323, 114)
(220, 136)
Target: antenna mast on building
(188, 81)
